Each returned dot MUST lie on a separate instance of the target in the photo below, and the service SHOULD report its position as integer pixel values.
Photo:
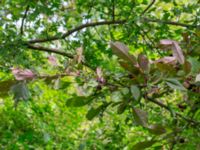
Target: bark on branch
(54, 50)
(92, 24)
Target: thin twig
(169, 23)
(23, 19)
(148, 7)
(113, 10)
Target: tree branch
(170, 23)
(92, 24)
(56, 51)
(168, 109)
(23, 19)
(148, 7)
(50, 50)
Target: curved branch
(92, 24)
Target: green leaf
(156, 129)
(121, 108)
(135, 92)
(175, 84)
(143, 145)
(140, 117)
(79, 101)
(195, 64)
(93, 112)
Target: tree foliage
(132, 65)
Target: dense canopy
(104, 74)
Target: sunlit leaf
(197, 79)
(21, 74)
(122, 51)
(177, 52)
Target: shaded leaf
(121, 108)
(140, 117)
(166, 68)
(174, 84)
(143, 145)
(93, 112)
(20, 91)
(143, 63)
(129, 67)
(5, 87)
(79, 101)
(135, 92)
(187, 67)
(121, 50)
(156, 129)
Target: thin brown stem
(169, 23)
(23, 20)
(148, 7)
